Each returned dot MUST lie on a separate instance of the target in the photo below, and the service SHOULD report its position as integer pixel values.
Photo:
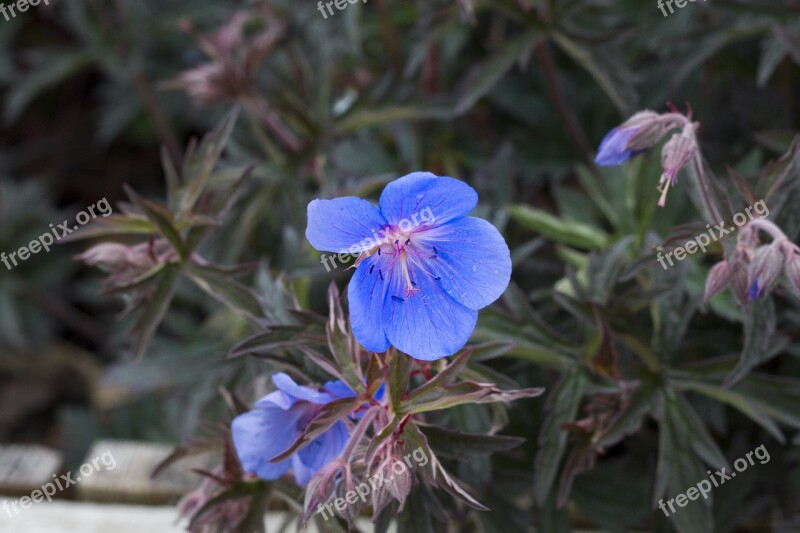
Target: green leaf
(161, 218)
(228, 291)
(482, 78)
(55, 68)
(562, 407)
(154, 311)
(678, 468)
(113, 225)
(586, 59)
(736, 400)
(358, 120)
(759, 329)
(273, 338)
(200, 162)
(563, 231)
(459, 445)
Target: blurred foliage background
(511, 96)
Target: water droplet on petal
(474, 268)
(496, 271)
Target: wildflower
(277, 422)
(641, 132)
(637, 134)
(418, 284)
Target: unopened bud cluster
(755, 269)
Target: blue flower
(277, 421)
(614, 148)
(425, 268)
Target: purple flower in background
(277, 421)
(425, 267)
(637, 134)
(614, 148)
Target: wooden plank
(120, 472)
(24, 469)
(78, 517)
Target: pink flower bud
(765, 270)
(719, 277)
(739, 277)
(792, 271)
(675, 154)
(110, 256)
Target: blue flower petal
(263, 433)
(365, 295)
(338, 389)
(472, 261)
(343, 225)
(319, 452)
(433, 200)
(299, 392)
(429, 325)
(613, 150)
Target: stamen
(397, 299)
(371, 269)
(380, 274)
(437, 279)
(408, 242)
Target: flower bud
(719, 277)
(675, 154)
(110, 256)
(739, 277)
(650, 128)
(765, 270)
(638, 133)
(792, 271)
